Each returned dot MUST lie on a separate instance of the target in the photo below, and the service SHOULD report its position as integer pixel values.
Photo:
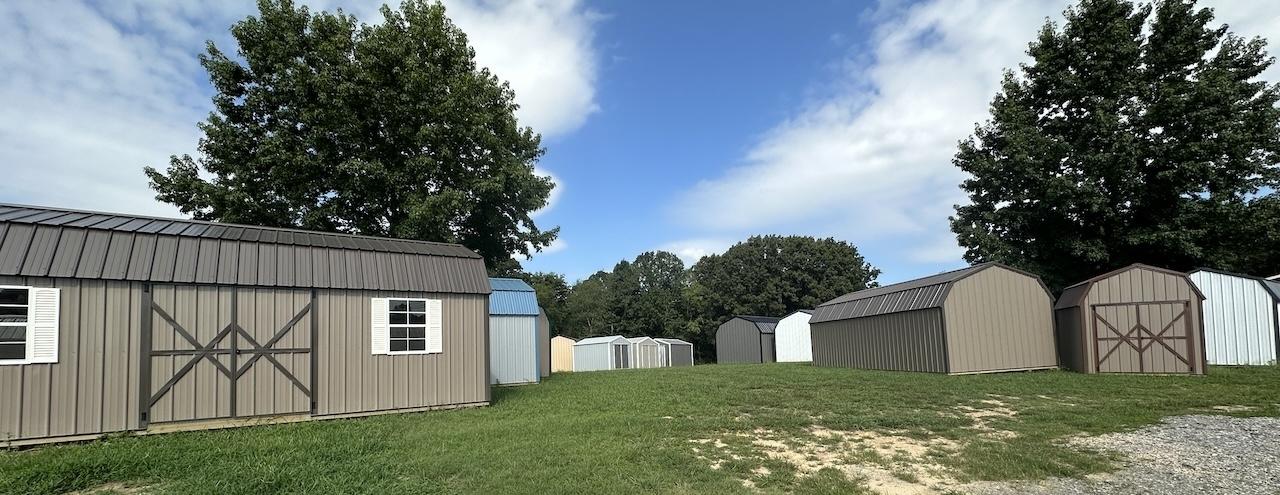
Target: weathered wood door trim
(226, 342)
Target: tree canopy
(1135, 134)
(387, 129)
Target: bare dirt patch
(115, 488)
(888, 463)
(982, 417)
(1233, 408)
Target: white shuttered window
(28, 325)
(406, 326)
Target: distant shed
(746, 339)
(1138, 319)
(1241, 317)
(646, 353)
(514, 336)
(561, 353)
(981, 319)
(602, 353)
(792, 334)
(676, 352)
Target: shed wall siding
(1071, 350)
(592, 357)
(92, 387)
(998, 319)
(1239, 319)
(792, 334)
(544, 343)
(738, 341)
(513, 349)
(680, 355)
(352, 380)
(908, 341)
(646, 355)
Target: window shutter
(435, 326)
(44, 310)
(379, 335)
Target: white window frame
(426, 320)
(29, 334)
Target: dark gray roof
(53, 242)
(766, 324)
(921, 293)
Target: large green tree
(771, 276)
(387, 129)
(553, 292)
(1135, 134)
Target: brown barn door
(223, 352)
(1150, 337)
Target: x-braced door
(225, 352)
(1150, 337)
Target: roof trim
(767, 320)
(604, 339)
(917, 294)
(673, 341)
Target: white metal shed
(602, 353)
(646, 353)
(791, 337)
(675, 352)
(1241, 317)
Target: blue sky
(672, 125)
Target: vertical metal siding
(561, 354)
(906, 341)
(1239, 319)
(1138, 285)
(92, 388)
(792, 339)
(998, 319)
(513, 350)
(544, 343)
(738, 341)
(593, 357)
(351, 380)
(680, 354)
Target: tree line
(656, 295)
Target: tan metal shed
(981, 319)
(123, 323)
(1138, 319)
(561, 354)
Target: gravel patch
(1183, 455)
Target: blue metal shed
(513, 332)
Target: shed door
(222, 352)
(1143, 337)
(621, 357)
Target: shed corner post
(314, 354)
(144, 358)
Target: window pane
(13, 296)
(397, 332)
(397, 318)
(13, 334)
(417, 345)
(398, 305)
(417, 332)
(417, 306)
(417, 318)
(398, 345)
(13, 351)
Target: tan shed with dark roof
(1138, 319)
(119, 323)
(981, 319)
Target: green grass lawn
(636, 431)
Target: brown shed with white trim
(1138, 319)
(122, 323)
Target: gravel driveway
(1191, 455)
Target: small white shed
(791, 337)
(675, 352)
(602, 353)
(1241, 317)
(646, 353)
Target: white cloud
(871, 161)
(93, 92)
(555, 192)
(692, 250)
